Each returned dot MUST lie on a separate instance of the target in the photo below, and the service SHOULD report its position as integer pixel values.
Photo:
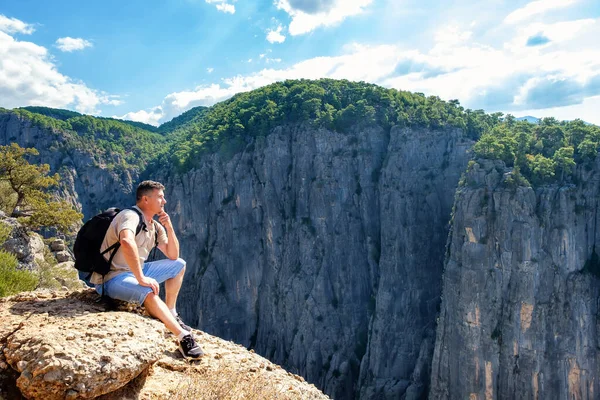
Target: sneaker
(184, 326)
(189, 348)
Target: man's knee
(151, 298)
(181, 262)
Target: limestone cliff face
(86, 182)
(323, 251)
(519, 316)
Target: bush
(5, 231)
(12, 280)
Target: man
(132, 279)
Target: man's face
(155, 201)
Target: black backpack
(88, 257)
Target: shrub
(5, 231)
(13, 280)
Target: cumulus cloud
(308, 15)
(69, 44)
(223, 5)
(13, 25)
(536, 8)
(275, 36)
(28, 76)
(508, 77)
(151, 116)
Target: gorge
(331, 231)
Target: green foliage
(5, 231)
(333, 104)
(55, 113)
(117, 144)
(52, 275)
(30, 184)
(191, 115)
(112, 140)
(13, 280)
(542, 153)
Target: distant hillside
(55, 113)
(190, 116)
(122, 144)
(529, 118)
(64, 115)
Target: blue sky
(152, 60)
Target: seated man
(132, 279)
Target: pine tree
(25, 191)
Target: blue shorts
(126, 287)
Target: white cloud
(151, 117)
(504, 77)
(535, 8)
(275, 36)
(223, 5)
(309, 15)
(587, 110)
(210, 70)
(557, 33)
(13, 25)
(69, 44)
(28, 76)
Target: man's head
(150, 197)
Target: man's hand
(164, 219)
(151, 283)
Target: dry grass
(229, 383)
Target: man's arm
(130, 252)
(171, 247)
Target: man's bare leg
(158, 309)
(172, 287)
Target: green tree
(542, 168)
(563, 158)
(29, 184)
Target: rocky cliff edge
(66, 345)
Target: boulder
(63, 256)
(28, 247)
(58, 245)
(64, 347)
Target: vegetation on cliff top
(541, 153)
(117, 143)
(333, 104)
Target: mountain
(529, 118)
(380, 243)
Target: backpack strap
(142, 225)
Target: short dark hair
(145, 187)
